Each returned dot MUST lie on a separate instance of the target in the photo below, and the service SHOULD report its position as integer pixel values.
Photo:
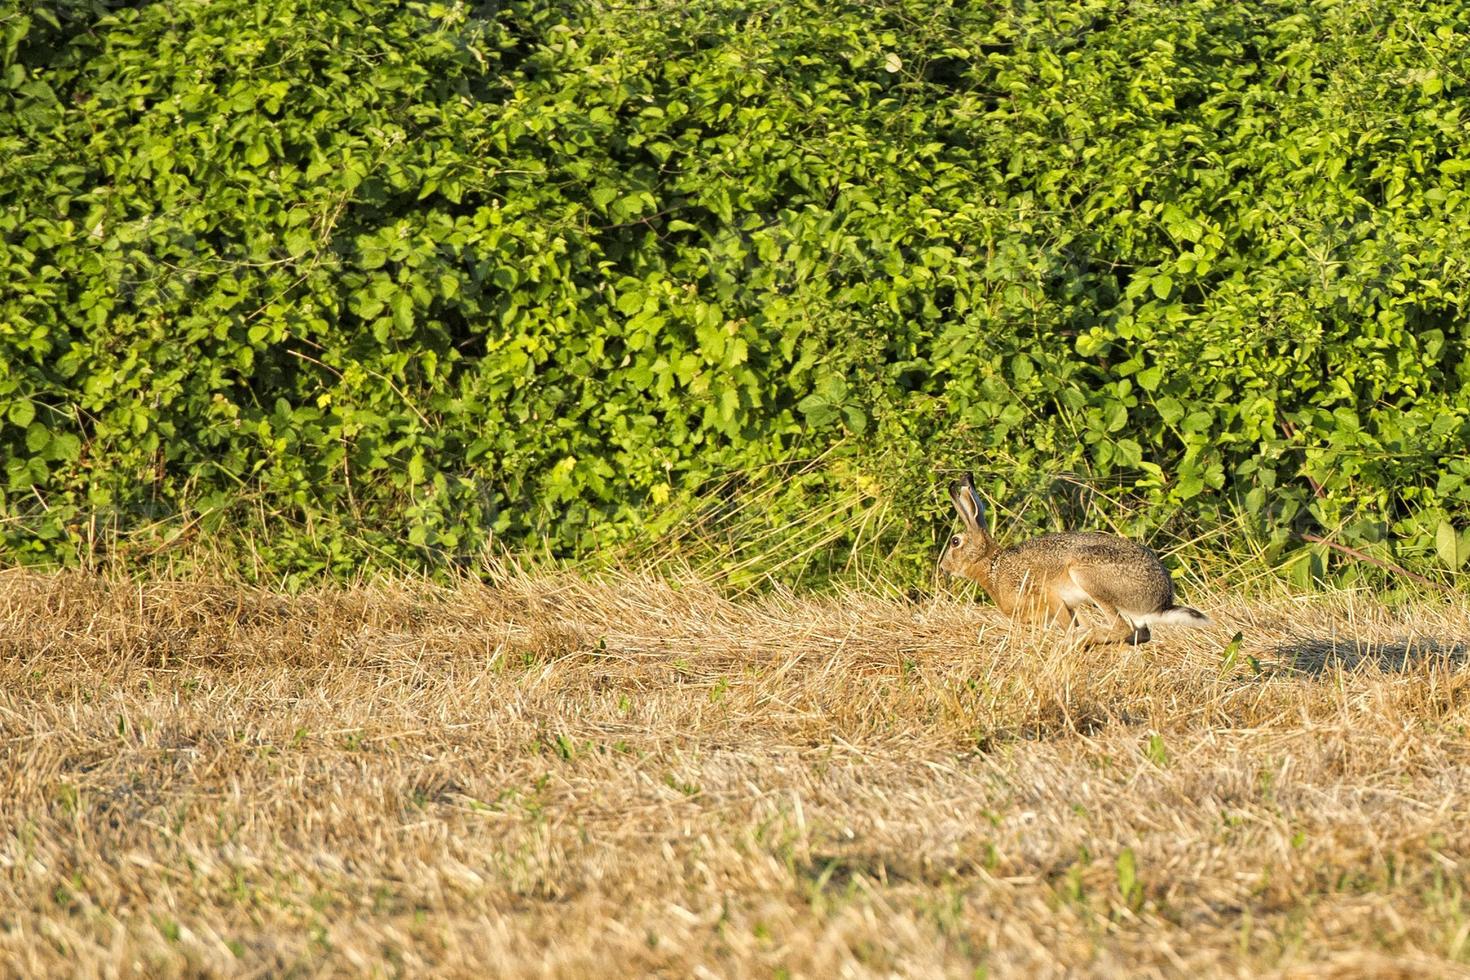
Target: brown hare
(1047, 578)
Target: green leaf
(38, 437)
(22, 411)
(603, 195)
(1129, 887)
(1156, 751)
(1453, 548)
(818, 410)
(64, 447)
(1231, 653)
(1191, 484)
(1299, 572)
(257, 154)
(299, 241)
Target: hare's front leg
(1045, 607)
(1056, 611)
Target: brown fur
(1045, 579)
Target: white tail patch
(1176, 616)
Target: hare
(1046, 578)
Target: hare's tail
(1179, 616)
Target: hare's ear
(967, 501)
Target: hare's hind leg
(1117, 629)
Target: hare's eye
(954, 542)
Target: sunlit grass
(557, 774)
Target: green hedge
(374, 281)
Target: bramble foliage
(386, 279)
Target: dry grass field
(552, 776)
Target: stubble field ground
(556, 776)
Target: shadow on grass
(1318, 654)
(841, 871)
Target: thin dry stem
(551, 776)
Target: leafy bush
(377, 281)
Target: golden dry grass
(559, 777)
